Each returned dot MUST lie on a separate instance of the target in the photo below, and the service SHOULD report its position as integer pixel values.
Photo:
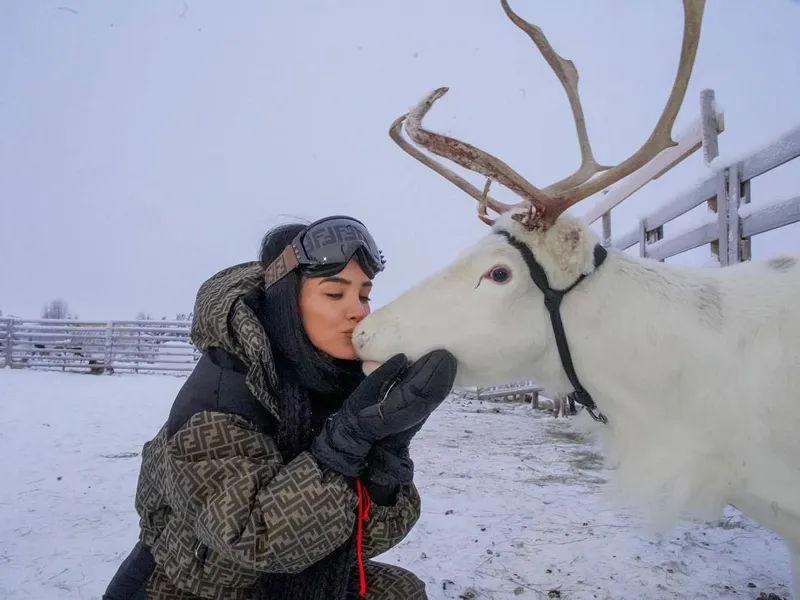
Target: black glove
(367, 416)
(390, 463)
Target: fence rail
(732, 219)
(97, 346)
(515, 391)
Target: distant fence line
(97, 346)
(141, 346)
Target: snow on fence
(703, 133)
(97, 346)
(517, 391)
(732, 220)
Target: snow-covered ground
(513, 504)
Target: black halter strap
(552, 300)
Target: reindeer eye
(499, 274)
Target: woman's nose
(357, 311)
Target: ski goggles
(325, 247)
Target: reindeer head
(484, 307)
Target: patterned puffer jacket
(217, 504)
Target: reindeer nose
(361, 339)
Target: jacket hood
(222, 319)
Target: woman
(281, 469)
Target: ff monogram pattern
(280, 266)
(322, 236)
(217, 505)
(389, 582)
(347, 236)
(386, 582)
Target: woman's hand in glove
(367, 416)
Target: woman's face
(331, 307)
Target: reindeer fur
(697, 369)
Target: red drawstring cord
(363, 511)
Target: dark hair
(310, 378)
(313, 384)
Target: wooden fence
(97, 346)
(702, 133)
(518, 391)
(732, 220)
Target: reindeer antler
(545, 205)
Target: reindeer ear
(567, 239)
(571, 237)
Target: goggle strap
(281, 266)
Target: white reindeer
(697, 370)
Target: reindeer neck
(636, 329)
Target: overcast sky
(146, 144)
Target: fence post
(108, 357)
(744, 198)
(652, 236)
(738, 193)
(718, 204)
(710, 125)
(607, 230)
(731, 191)
(9, 349)
(643, 238)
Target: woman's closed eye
(339, 296)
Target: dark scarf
(302, 414)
